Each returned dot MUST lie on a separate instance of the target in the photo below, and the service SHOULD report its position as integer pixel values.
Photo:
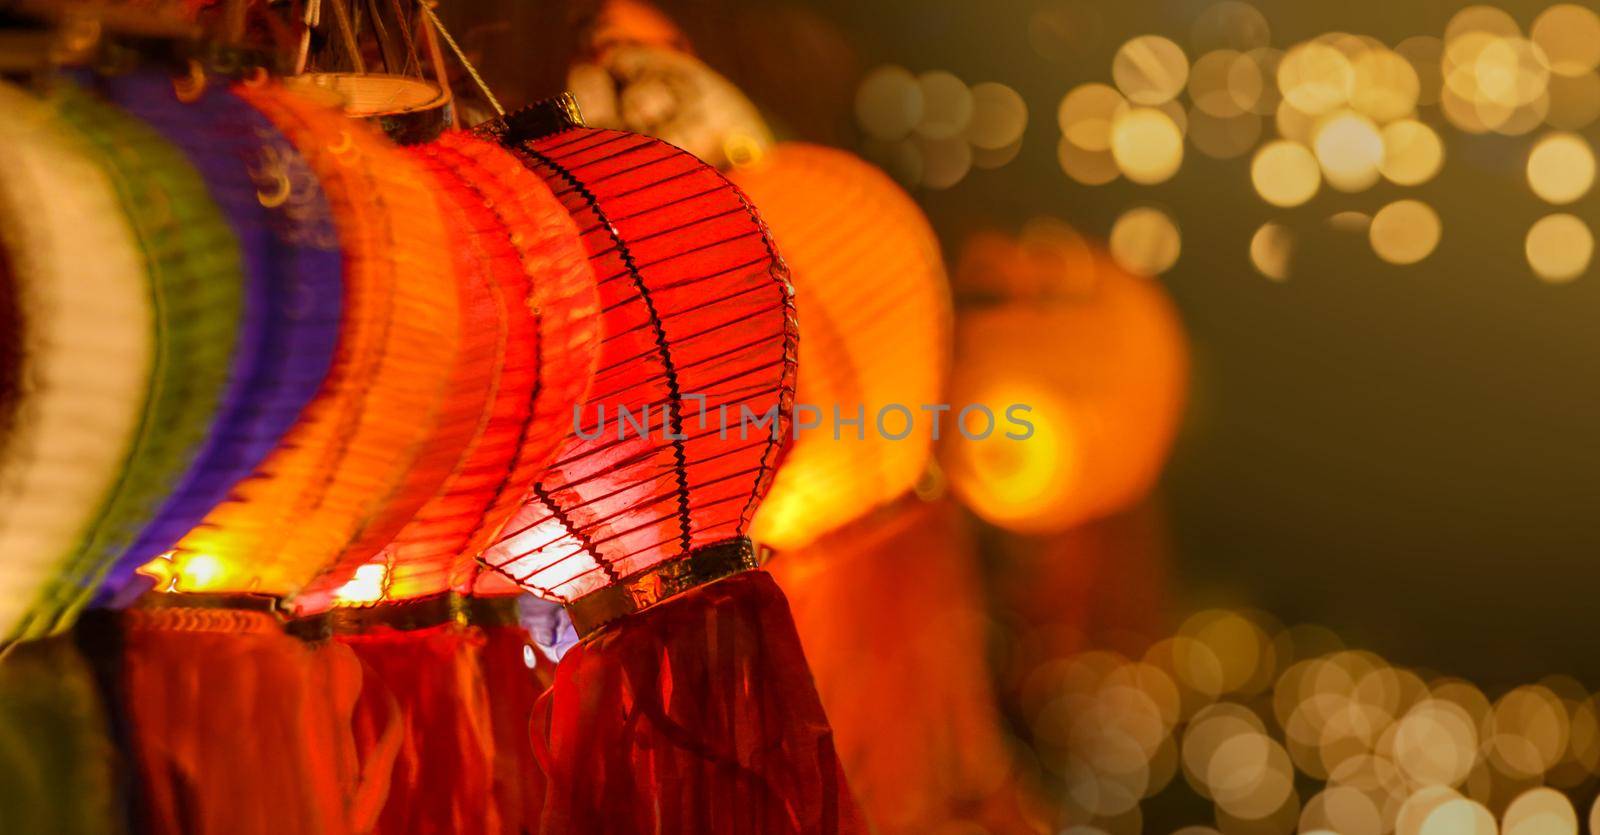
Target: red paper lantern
(687, 708)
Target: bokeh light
(1150, 70)
(1271, 247)
(946, 105)
(1561, 168)
(1412, 153)
(1559, 247)
(1147, 145)
(888, 103)
(1285, 173)
(1145, 241)
(1404, 232)
(1350, 151)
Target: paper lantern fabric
(430, 681)
(670, 95)
(699, 716)
(10, 345)
(891, 614)
(237, 728)
(875, 334)
(185, 262)
(695, 304)
(291, 288)
(1100, 360)
(85, 350)
(352, 470)
(530, 323)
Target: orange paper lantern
(1097, 355)
(875, 334)
(357, 465)
(529, 342)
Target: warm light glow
(1150, 70)
(195, 571)
(1541, 811)
(1086, 114)
(1412, 153)
(1017, 482)
(1270, 250)
(1285, 173)
(1315, 78)
(1147, 145)
(367, 586)
(1350, 150)
(1459, 817)
(1559, 247)
(1569, 35)
(1404, 232)
(1385, 86)
(1145, 241)
(1561, 168)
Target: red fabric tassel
(697, 715)
(514, 689)
(429, 682)
(238, 728)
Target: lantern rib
(679, 453)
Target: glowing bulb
(367, 586)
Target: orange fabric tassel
(238, 728)
(891, 615)
(430, 682)
(513, 691)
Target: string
(462, 56)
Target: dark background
(1405, 454)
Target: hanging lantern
(673, 96)
(349, 471)
(291, 293)
(1098, 358)
(528, 345)
(886, 602)
(641, 533)
(141, 367)
(10, 345)
(875, 335)
(358, 463)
